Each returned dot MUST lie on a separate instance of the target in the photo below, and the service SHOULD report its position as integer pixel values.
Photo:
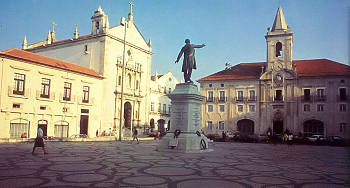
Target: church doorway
(127, 115)
(312, 127)
(277, 127)
(151, 123)
(161, 123)
(245, 126)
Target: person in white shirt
(39, 142)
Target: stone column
(185, 118)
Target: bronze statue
(189, 61)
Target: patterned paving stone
(123, 164)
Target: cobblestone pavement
(125, 164)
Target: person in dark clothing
(134, 135)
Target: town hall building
(305, 97)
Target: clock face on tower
(278, 66)
(278, 79)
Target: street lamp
(123, 23)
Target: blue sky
(233, 30)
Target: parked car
(317, 139)
(335, 140)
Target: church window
(278, 96)
(251, 95)
(278, 49)
(164, 108)
(119, 80)
(137, 84)
(159, 107)
(222, 85)
(152, 106)
(129, 79)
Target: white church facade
(101, 52)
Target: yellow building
(281, 94)
(38, 91)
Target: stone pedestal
(186, 118)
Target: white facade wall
(159, 89)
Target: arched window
(279, 49)
(129, 80)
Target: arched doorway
(127, 115)
(277, 124)
(245, 126)
(43, 125)
(161, 123)
(152, 124)
(312, 127)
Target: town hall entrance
(277, 127)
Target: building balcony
(306, 98)
(221, 99)
(40, 96)
(342, 98)
(252, 98)
(209, 99)
(15, 93)
(64, 99)
(239, 99)
(322, 98)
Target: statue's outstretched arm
(198, 46)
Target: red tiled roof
(304, 68)
(48, 61)
(321, 67)
(153, 77)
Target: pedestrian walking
(39, 141)
(134, 135)
(290, 139)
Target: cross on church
(53, 26)
(131, 4)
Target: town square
(174, 93)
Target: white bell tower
(100, 22)
(279, 42)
